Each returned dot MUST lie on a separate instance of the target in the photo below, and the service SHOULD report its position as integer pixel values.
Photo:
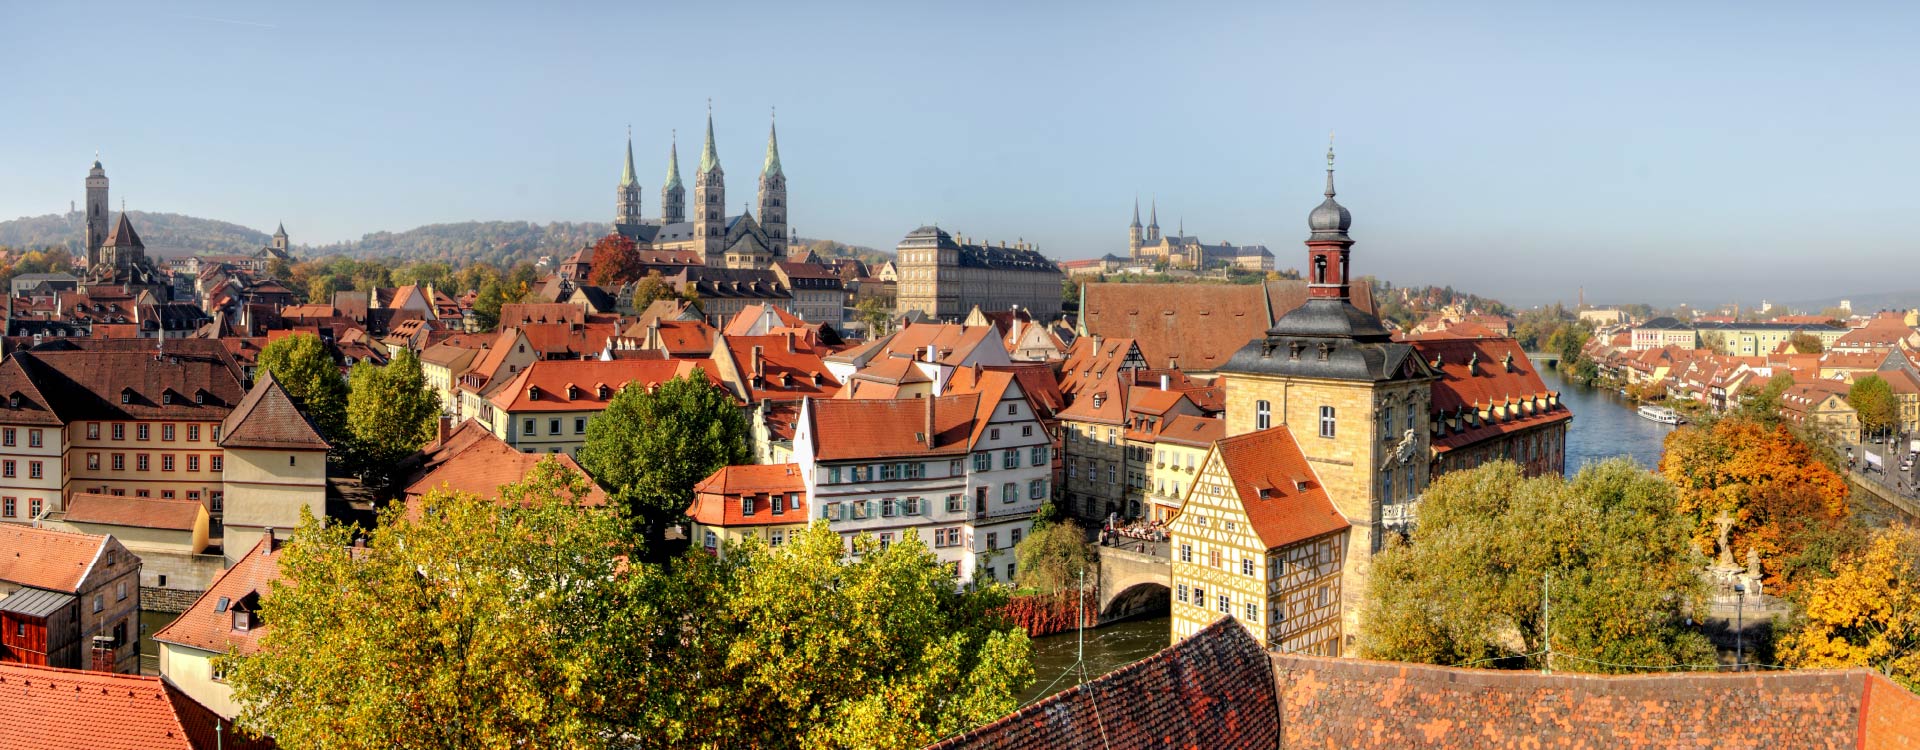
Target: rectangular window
(746, 506)
(8, 507)
(166, 432)
(833, 475)
(193, 462)
(1386, 484)
(140, 462)
(1246, 566)
(1326, 421)
(1262, 415)
(1015, 534)
(776, 537)
(526, 427)
(1010, 458)
(1009, 493)
(166, 494)
(1186, 553)
(1253, 612)
(7, 469)
(34, 505)
(1213, 558)
(193, 433)
(1181, 592)
(1026, 430)
(33, 438)
(7, 436)
(166, 462)
(1386, 422)
(143, 431)
(93, 462)
(553, 426)
(1036, 489)
(993, 540)
(119, 431)
(1200, 597)
(830, 511)
(889, 472)
(911, 506)
(1226, 603)
(93, 430)
(954, 504)
(1039, 457)
(1110, 435)
(579, 425)
(216, 433)
(982, 461)
(33, 470)
(193, 495)
(214, 462)
(889, 508)
(119, 462)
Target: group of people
(1146, 531)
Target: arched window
(1262, 415)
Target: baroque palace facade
(944, 278)
(720, 240)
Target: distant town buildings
(1147, 246)
(944, 278)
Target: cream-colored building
(31, 440)
(547, 407)
(1179, 450)
(1257, 539)
(944, 279)
(224, 620)
(276, 465)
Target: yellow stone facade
(1353, 463)
(1287, 598)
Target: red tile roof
(849, 429)
(568, 340)
(574, 384)
(1195, 326)
(44, 707)
(1212, 691)
(743, 322)
(208, 624)
(532, 313)
(139, 512)
(1476, 375)
(1186, 429)
(267, 418)
(716, 499)
(1279, 491)
(488, 462)
(89, 384)
(47, 559)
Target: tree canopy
(1053, 555)
(1469, 588)
(615, 261)
(1774, 486)
(1805, 343)
(649, 447)
(1872, 398)
(390, 413)
(303, 365)
(1867, 614)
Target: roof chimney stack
(272, 543)
(930, 438)
(1164, 378)
(758, 368)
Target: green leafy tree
(422, 273)
(475, 624)
(1873, 399)
(802, 646)
(1053, 557)
(649, 447)
(486, 306)
(875, 313)
(391, 413)
(1468, 589)
(1867, 614)
(303, 365)
(1763, 406)
(654, 287)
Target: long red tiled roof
(138, 512)
(787, 370)
(1186, 429)
(488, 462)
(47, 559)
(207, 625)
(585, 376)
(267, 418)
(519, 314)
(1480, 373)
(716, 499)
(848, 429)
(1279, 491)
(45, 707)
(1195, 327)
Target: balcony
(1400, 516)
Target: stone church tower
(773, 198)
(627, 195)
(1134, 239)
(710, 200)
(97, 211)
(673, 194)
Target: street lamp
(1740, 625)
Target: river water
(1605, 425)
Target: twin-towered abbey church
(720, 240)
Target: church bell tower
(97, 211)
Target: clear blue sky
(1707, 151)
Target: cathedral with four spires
(708, 236)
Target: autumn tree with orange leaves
(615, 261)
(1782, 496)
(1867, 614)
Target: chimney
(758, 368)
(272, 543)
(1164, 378)
(789, 337)
(932, 353)
(443, 427)
(930, 440)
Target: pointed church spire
(773, 150)
(282, 231)
(673, 161)
(626, 175)
(1153, 218)
(1136, 213)
(709, 158)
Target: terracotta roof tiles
(138, 512)
(1279, 491)
(716, 500)
(850, 429)
(47, 559)
(207, 625)
(267, 418)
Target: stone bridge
(1134, 580)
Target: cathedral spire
(773, 150)
(709, 157)
(673, 161)
(1136, 213)
(1153, 217)
(626, 175)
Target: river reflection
(1605, 425)
(1108, 648)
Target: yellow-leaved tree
(1781, 495)
(1867, 614)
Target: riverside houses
(965, 472)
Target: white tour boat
(1662, 414)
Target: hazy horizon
(1647, 152)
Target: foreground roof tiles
(44, 707)
(47, 559)
(138, 512)
(208, 624)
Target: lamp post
(1740, 624)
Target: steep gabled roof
(208, 625)
(1278, 490)
(47, 559)
(486, 463)
(267, 418)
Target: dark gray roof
(34, 602)
(1332, 339)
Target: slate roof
(47, 559)
(267, 418)
(1213, 690)
(34, 602)
(138, 512)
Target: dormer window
(166, 397)
(126, 395)
(13, 401)
(533, 393)
(573, 392)
(199, 398)
(242, 621)
(602, 390)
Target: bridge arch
(1142, 598)
(1133, 583)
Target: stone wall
(167, 600)
(183, 571)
